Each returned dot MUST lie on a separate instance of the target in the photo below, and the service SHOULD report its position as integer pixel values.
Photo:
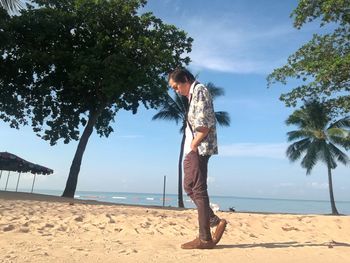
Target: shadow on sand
(286, 245)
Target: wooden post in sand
(164, 190)
(33, 183)
(19, 176)
(8, 175)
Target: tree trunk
(72, 181)
(334, 209)
(180, 194)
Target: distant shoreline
(220, 196)
(9, 195)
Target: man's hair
(181, 75)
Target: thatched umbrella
(12, 163)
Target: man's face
(181, 88)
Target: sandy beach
(40, 228)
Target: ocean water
(222, 203)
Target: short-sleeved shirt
(201, 114)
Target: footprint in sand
(111, 220)
(265, 226)
(79, 219)
(118, 242)
(145, 225)
(24, 230)
(128, 251)
(62, 228)
(290, 228)
(47, 225)
(80, 249)
(8, 228)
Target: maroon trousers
(195, 185)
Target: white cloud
(236, 46)
(263, 150)
(316, 185)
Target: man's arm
(201, 133)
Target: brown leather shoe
(219, 231)
(198, 244)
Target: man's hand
(201, 133)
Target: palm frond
(343, 123)
(313, 115)
(341, 141)
(296, 118)
(337, 153)
(167, 115)
(298, 134)
(295, 150)
(11, 5)
(170, 110)
(182, 103)
(214, 90)
(317, 114)
(222, 118)
(311, 156)
(326, 155)
(337, 132)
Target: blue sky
(236, 44)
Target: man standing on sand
(200, 144)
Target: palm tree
(175, 109)
(319, 138)
(11, 5)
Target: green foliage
(328, 11)
(64, 61)
(323, 64)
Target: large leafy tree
(323, 64)
(175, 109)
(317, 139)
(68, 64)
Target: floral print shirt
(201, 114)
